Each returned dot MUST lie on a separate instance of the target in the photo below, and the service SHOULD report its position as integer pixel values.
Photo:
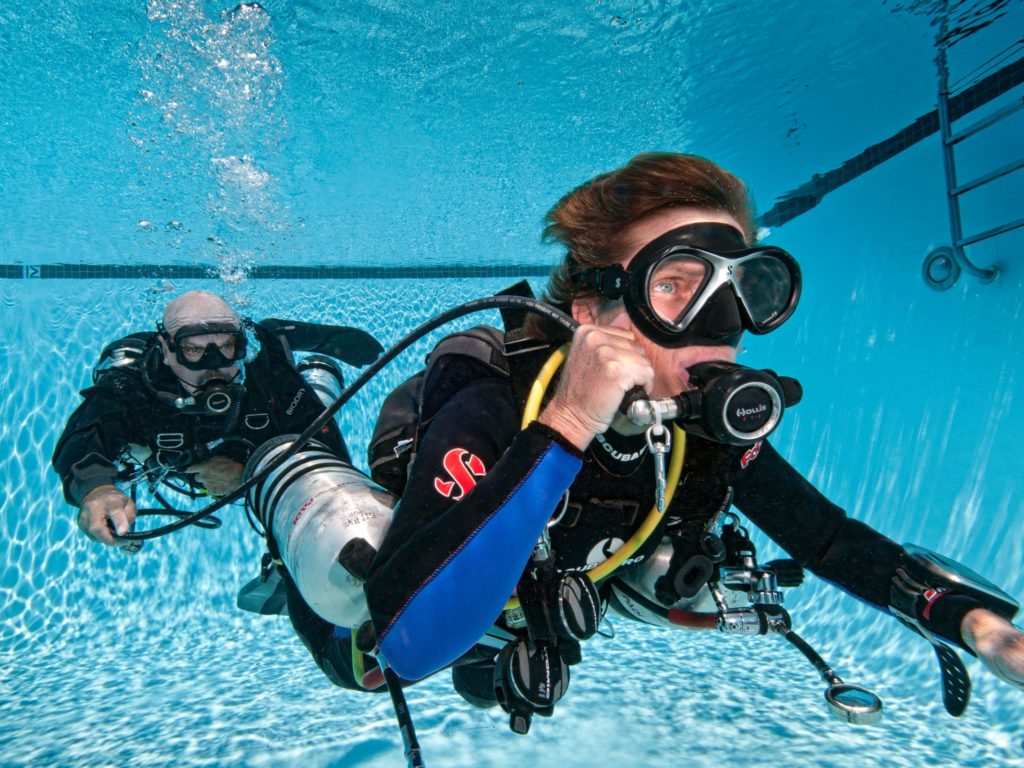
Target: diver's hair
(589, 220)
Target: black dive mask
(700, 285)
(211, 356)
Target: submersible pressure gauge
(853, 704)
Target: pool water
(410, 142)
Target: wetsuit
(480, 492)
(121, 410)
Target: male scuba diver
(664, 275)
(184, 407)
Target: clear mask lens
(674, 285)
(193, 352)
(209, 351)
(764, 283)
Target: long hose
(470, 307)
(413, 753)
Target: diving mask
(700, 285)
(194, 350)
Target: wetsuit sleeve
(94, 436)
(819, 535)
(479, 494)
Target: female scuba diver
(578, 497)
(663, 273)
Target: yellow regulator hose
(675, 469)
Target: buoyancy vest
(175, 439)
(602, 510)
(458, 359)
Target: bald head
(198, 308)
(208, 321)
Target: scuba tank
(122, 353)
(324, 520)
(324, 376)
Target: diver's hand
(998, 643)
(604, 363)
(106, 514)
(218, 475)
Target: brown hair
(589, 220)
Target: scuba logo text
(619, 456)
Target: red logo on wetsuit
(463, 468)
(930, 597)
(751, 454)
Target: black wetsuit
(452, 557)
(121, 409)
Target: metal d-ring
(561, 513)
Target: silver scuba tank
(121, 353)
(327, 520)
(323, 375)
(639, 580)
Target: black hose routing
(470, 307)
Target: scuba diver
(185, 406)
(664, 275)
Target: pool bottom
(227, 688)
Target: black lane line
(284, 272)
(807, 196)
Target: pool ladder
(943, 265)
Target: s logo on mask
(463, 468)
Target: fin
(265, 595)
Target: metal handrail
(988, 177)
(985, 274)
(991, 233)
(985, 122)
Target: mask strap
(609, 281)
(162, 333)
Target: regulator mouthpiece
(215, 398)
(732, 404)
